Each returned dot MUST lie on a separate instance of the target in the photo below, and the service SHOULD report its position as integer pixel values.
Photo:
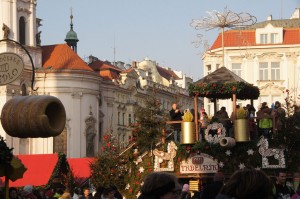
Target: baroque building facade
(265, 54)
(99, 97)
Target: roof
(105, 69)
(40, 168)
(61, 56)
(246, 37)
(222, 84)
(221, 75)
(285, 23)
(167, 74)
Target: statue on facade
(6, 31)
(38, 38)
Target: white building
(98, 97)
(265, 54)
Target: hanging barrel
(33, 117)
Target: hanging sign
(202, 163)
(11, 67)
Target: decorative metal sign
(202, 163)
(11, 67)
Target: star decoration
(127, 186)
(142, 183)
(250, 152)
(138, 194)
(228, 152)
(242, 166)
(141, 169)
(221, 164)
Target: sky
(132, 30)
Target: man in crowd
(176, 115)
(280, 189)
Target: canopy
(222, 84)
(40, 168)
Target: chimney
(296, 14)
(269, 18)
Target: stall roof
(40, 168)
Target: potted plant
(187, 128)
(241, 126)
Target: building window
(263, 71)
(123, 119)
(119, 115)
(237, 69)
(217, 66)
(264, 38)
(22, 28)
(208, 69)
(129, 119)
(274, 38)
(275, 71)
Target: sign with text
(11, 67)
(202, 163)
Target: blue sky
(157, 29)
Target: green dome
(71, 36)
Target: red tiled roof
(167, 73)
(237, 38)
(106, 70)
(61, 56)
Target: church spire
(71, 37)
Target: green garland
(224, 90)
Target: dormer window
(269, 35)
(264, 38)
(274, 38)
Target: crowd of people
(30, 192)
(247, 183)
(243, 184)
(261, 120)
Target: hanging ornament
(221, 164)
(265, 152)
(127, 186)
(135, 152)
(228, 152)
(242, 166)
(250, 152)
(141, 169)
(138, 194)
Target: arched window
(24, 90)
(22, 28)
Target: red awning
(40, 168)
(80, 168)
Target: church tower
(71, 37)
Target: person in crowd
(279, 113)
(65, 195)
(280, 188)
(297, 194)
(296, 117)
(49, 194)
(247, 184)
(185, 194)
(265, 123)
(160, 185)
(27, 192)
(221, 116)
(13, 193)
(176, 115)
(99, 192)
(204, 123)
(211, 190)
(86, 194)
(109, 193)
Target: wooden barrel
(33, 116)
